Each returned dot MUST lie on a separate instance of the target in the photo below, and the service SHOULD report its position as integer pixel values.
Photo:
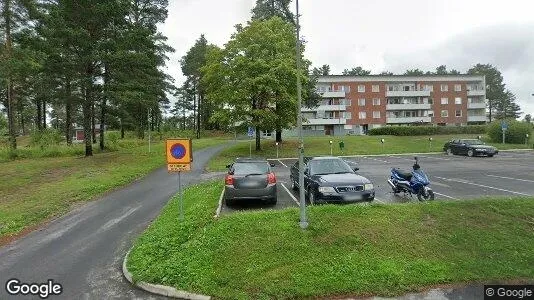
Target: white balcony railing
(408, 106)
(333, 94)
(481, 118)
(325, 108)
(473, 105)
(476, 92)
(407, 120)
(325, 121)
(414, 93)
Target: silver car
(250, 178)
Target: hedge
(515, 134)
(427, 130)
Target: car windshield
(473, 142)
(246, 168)
(329, 166)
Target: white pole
(181, 199)
(303, 220)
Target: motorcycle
(415, 182)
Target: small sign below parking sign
(251, 131)
(504, 126)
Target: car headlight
(326, 189)
(368, 186)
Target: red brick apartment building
(355, 104)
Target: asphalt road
(83, 251)
(508, 174)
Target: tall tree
(324, 70)
(255, 75)
(266, 9)
(386, 73)
(528, 118)
(495, 92)
(414, 72)
(507, 108)
(357, 71)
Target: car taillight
(229, 180)
(271, 179)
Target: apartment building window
(444, 101)
(458, 100)
(458, 113)
(347, 115)
(444, 113)
(457, 87)
(345, 102)
(361, 88)
(444, 87)
(362, 115)
(376, 115)
(361, 102)
(376, 88)
(428, 87)
(430, 113)
(376, 101)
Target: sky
(383, 35)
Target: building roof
(399, 78)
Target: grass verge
(35, 190)
(354, 145)
(384, 250)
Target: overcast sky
(384, 35)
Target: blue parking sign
(504, 125)
(251, 131)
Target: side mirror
(228, 166)
(272, 164)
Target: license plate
(353, 197)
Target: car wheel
(272, 201)
(311, 196)
(490, 155)
(293, 184)
(449, 151)
(229, 202)
(470, 153)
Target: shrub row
(427, 130)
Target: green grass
(37, 189)
(351, 250)
(354, 145)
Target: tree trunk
(258, 139)
(44, 114)
(11, 116)
(86, 108)
(122, 129)
(279, 136)
(22, 125)
(198, 115)
(103, 108)
(93, 123)
(68, 112)
(38, 121)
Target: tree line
(83, 62)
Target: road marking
(290, 194)
(481, 185)
(446, 196)
(440, 184)
(432, 157)
(219, 208)
(504, 177)
(379, 201)
(282, 163)
(112, 222)
(387, 162)
(400, 157)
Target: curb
(219, 208)
(159, 289)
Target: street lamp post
(303, 219)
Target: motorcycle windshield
(420, 176)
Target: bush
(515, 134)
(46, 138)
(427, 130)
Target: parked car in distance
(331, 179)
(469, 147)
(250, 178)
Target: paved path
(84, 249)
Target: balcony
(408, 106)
(474, 105)
(408, 120)
(325, 122)
(476, 92)
(333, 94)
(414, 93)
(325, 108)
(480, 118)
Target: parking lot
(508, 174)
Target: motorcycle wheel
(422, 197)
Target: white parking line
(290, 194)
(481, 185)
(446, 196)
(282, 163)
(432, 157)
(379, 201)
(387, 162)
(504, 177)
(219, 208)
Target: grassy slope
(33, 190)
(348, 250)
(354, 145)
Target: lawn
(352, 250)
(37, 189)
(354, 145)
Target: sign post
(251, 132)
(179, 157)
(526, 139)
(331, 147)
(382, 141)
(430, 144)
(277, 150)
(504, 127)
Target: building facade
(355, 104)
